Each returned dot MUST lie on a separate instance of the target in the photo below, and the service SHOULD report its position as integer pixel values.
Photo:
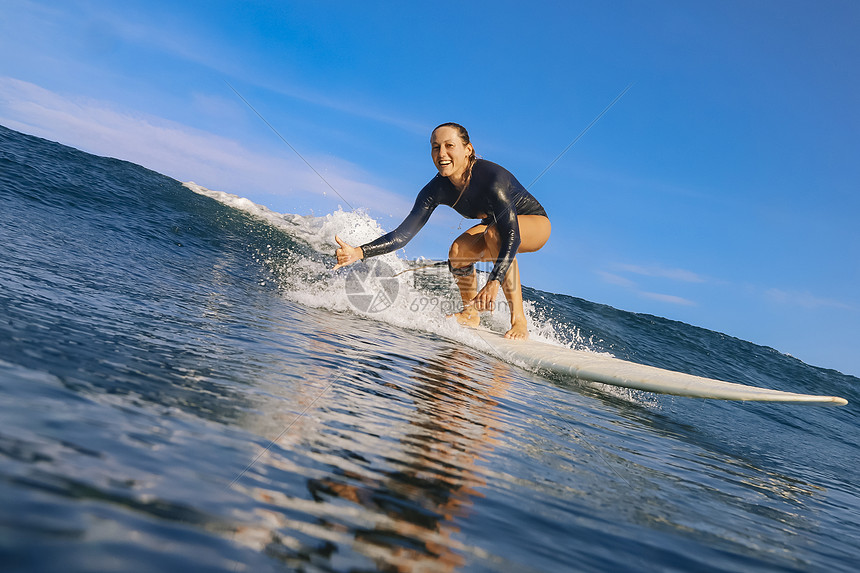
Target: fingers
(343, 259)
(485, 299)
(483, 302)
(342, 253)
(343, 262)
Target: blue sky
(721, 190)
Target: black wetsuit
(493, 195)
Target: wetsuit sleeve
(507, 225)
(425, 204)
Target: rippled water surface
(182, 392)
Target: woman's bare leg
(468, 286)
(481, 243)
(534, 233)
(514, 294)
(466, 250)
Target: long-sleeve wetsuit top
(493, 195)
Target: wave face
(187, 386)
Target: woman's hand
(485, 300)
(346, 254)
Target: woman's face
(449, 154)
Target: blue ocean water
(186, 386)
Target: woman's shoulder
(435, 191)
(437, 184)
(485, 165)
(490, 173)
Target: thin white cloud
(180, 151)
(655, 271)
(617, 280)
(349, 106)
(667, 298)
(626, 283)
(804, 300)
(196, 48)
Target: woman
(512, 221)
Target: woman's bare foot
(468, 317)
(519, 329)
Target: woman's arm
(507, 226)
(425, 204)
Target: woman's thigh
(481, 242)
(471, 245)
(534, 232)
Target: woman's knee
(465, 250)
(458, 252)
(491, 238)
(454, 251)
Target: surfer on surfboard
(512, 221)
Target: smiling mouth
(445, 162)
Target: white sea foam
(423, 297)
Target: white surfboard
(593, 367)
